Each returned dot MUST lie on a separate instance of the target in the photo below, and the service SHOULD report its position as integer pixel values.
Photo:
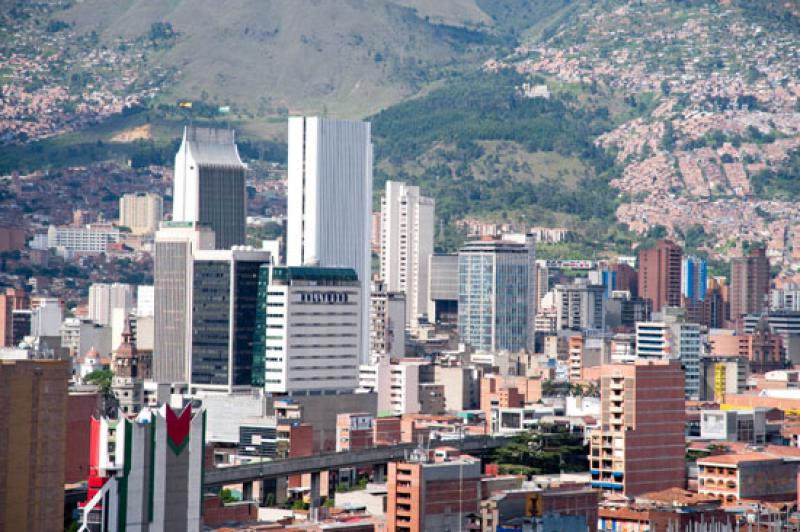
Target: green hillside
(343, 57)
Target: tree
(102, 379)
(227, 495)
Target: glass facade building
(495, 304)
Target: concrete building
(443, 288)
(506, 510)
(660, 274)
(145, 300)
(580, 306)
(387, 319)
(721, 375)
(210, 184)
(104, 298)
(496, 307)
(175, 245)
(758, 476)
(786, 298)
(88, 239)
(641, 428)
(141, 212)
(624, 310)
(406, 246)
(329, 201)
(46, 318)
(146, 473)
(749, 289)
(33, 414)
(747, 426)
(461, 387)
(307, 329)
(694, 278)
(431, 496)
(397, 383)
(316, 412)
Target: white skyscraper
(210, 184)
(330, 201)
(406, 245)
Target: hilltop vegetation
(350, 57)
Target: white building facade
(407, 221)
(329, 201)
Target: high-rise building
(542, 282)
(580, 306)
(624, 310)
(210, 184)
(308, 323)
(639, 446)
(10, 300)
(660, 274)
(433, 495)
(496, 307)
(224, 293)
(211, 295)
(387, 318)
(104, 298)
(146, 472)
(145, 300)
(330, 201)
(175, 244)
(694, 278)
(33, 417)
(406, 245)
(141, 212)
(749, 287)
(443, 288)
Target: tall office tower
(496, 307)
(145, 300)
(205, 307)
(141, 212)
(660, 274)
(175, 243)
(694, 278)
(104, 298)
(433, 495)
(10, 300)
(387, 318)
(330, 201)
(224, 291)
(639, 446)
(672, 338)
(406, 245)
(308, 323)
(749, 283)
(210, 184)
(33, 417)
(146, 472)
(580, 306)
(443, 288)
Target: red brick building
(660, 274)
(436, 493)
(642, 426)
